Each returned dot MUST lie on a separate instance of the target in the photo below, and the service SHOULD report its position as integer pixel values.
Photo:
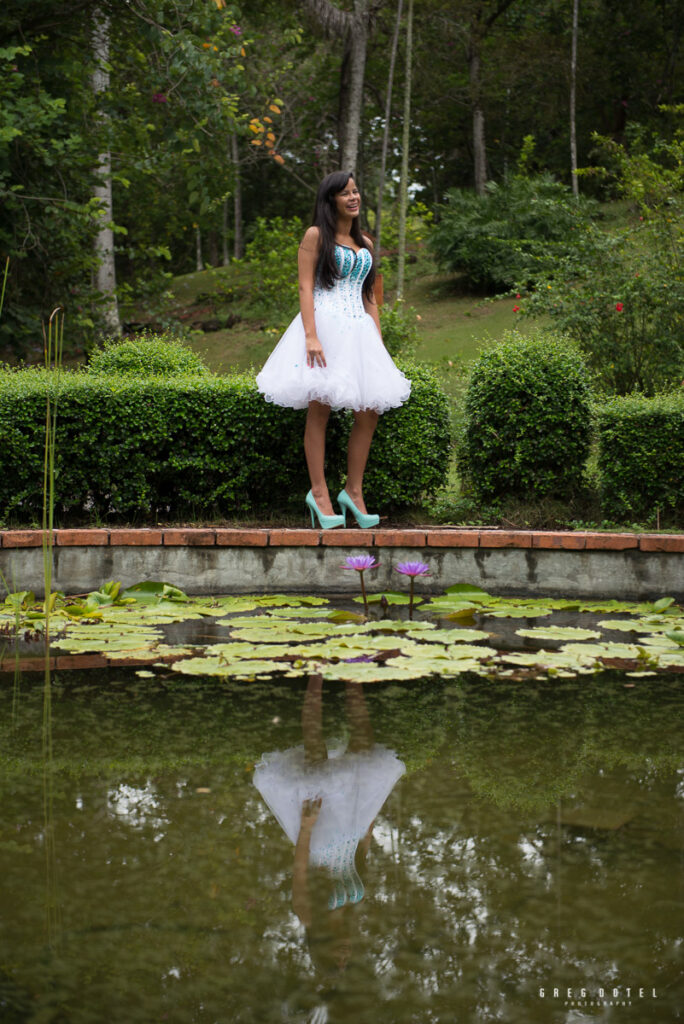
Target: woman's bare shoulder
(369, 242)
(311, 239)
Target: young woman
(332, 355)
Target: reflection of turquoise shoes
(347, 888)
(326, 522)
(364, 519)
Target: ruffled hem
(352, 788)
(359, 374)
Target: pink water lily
(414, 568)
(360, 563)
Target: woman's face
(348, 201)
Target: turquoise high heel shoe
(364, 519)
(326, 522)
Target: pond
(524, 840)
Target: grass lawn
(451, 326)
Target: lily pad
(558, 633)
(391, 596)
(456, 636)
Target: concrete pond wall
(625, 566)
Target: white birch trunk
(102, 191)
(385, 136)
(479, 145)
(403, 200)
(573, 90)
(199, 262)
(225, 258)
(238, 245)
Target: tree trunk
(102, 191)
(385, 136)
(352, 28)
(199, 263)
(573, 89)
(403, 199)
(238, 244)
(225, 258)
(354, 106)
(479, 146)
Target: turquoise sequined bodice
(345, 298)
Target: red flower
(516, 309)
(159, 97)
(518, 295)
(619, 307)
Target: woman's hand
(310, 811)
(314, 352)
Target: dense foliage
(528, 419)
(513, 234)
(641, 457)
(218, 114)
(195, 443)
(620, 293)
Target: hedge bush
(135, 446)
(527, 419)
(147, 355)
(641, 456)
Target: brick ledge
(427, 537)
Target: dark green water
(534, 842)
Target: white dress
(359, 372)
(352, 787)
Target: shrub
(399, 331)
(411, 449)
(131, 446)
(641, 456)
(146, 355)
(511, 234)
(273, 254)
(527, 429)
(620, 295)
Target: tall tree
(573, 90)
(403, 195)
(102, 190)
(481, 22)
(385, 135)
(353, 29)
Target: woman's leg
(360, 439)
(312, 720)
(314, 450)
(360, 728)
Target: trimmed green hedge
(641, 456)
(146, 354)
(528, 419)
(197, 444)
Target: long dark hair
(325, 219)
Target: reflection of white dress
(359, 372)
(352, 788)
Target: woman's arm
(370, 305)
(307, 261)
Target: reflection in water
(534, 843)
(326, 801)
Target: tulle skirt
(352, 788)
(359, 372)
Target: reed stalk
(53, 347)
